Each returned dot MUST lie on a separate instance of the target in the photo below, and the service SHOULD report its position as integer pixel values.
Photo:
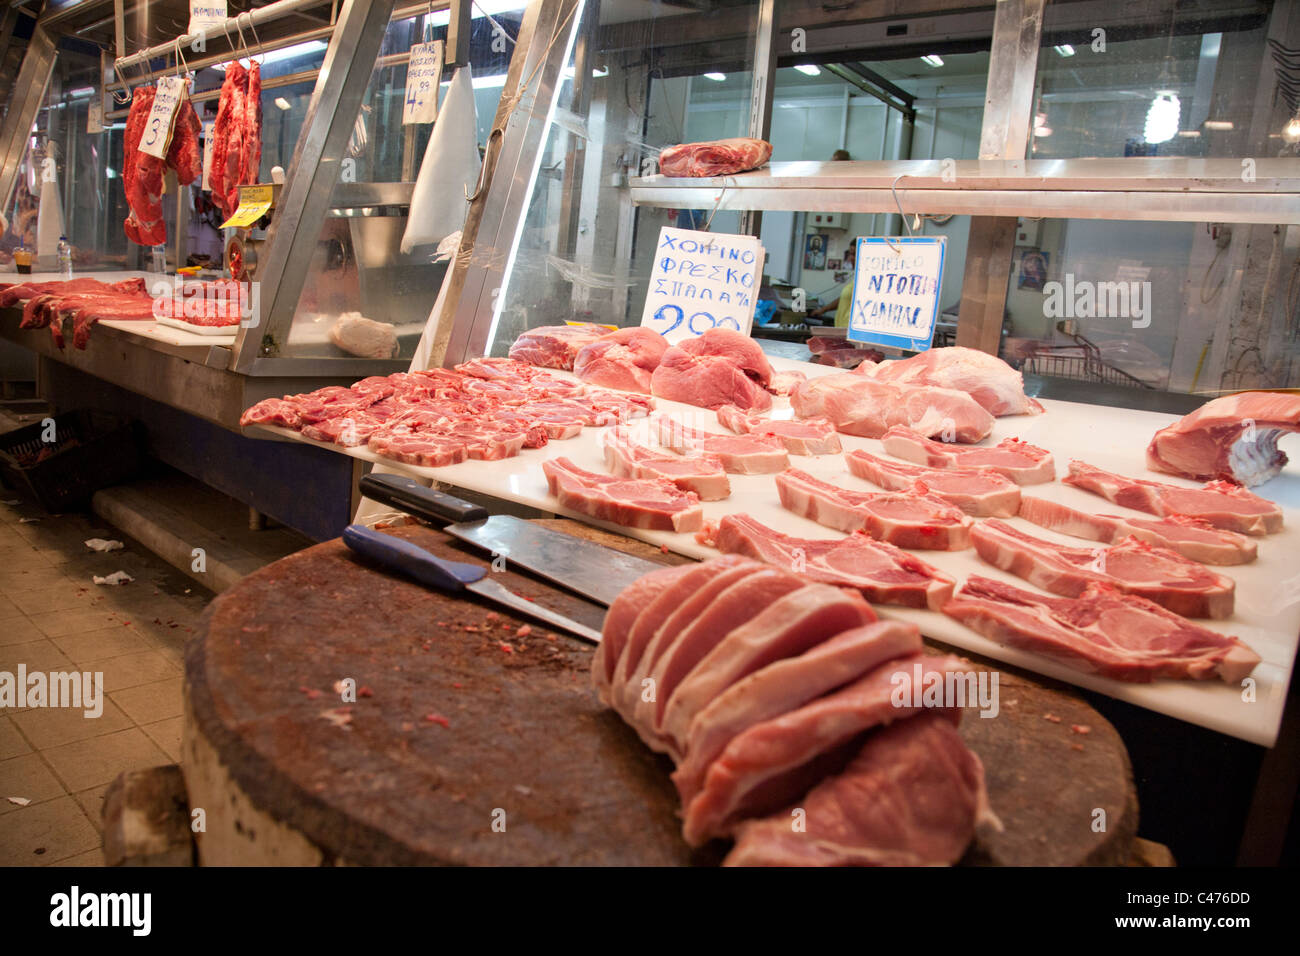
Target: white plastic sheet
(450, 166)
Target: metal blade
(589, 569)
(495, 592)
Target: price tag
(896, 286)
(254, 202)
(207, 15)
(158, 128)
(95, 113)
(207, 151)
(702, 281)
(423, 77)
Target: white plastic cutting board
(1268, 591)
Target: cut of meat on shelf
(624, 359)
(841, 353)
(1102, 631)
(1023, 463)
(908, 519)
(883, 573)
(911, 797)
(783, 383)
(1233, 438)
(721, 157)
(1190, 537)
(555, 346)
(24, 291)
(632, 502)
(1132, 566)
(978, 493)
(811, 436)
(993, 383)
(702, 474)
(739, 454)
(862, 406)
(721, 367)
(1221, 503)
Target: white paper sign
(702, 281)
(896, 290)
(95, 113)
(158, 128)
(207, 151)
(207, 15)
(423, 77)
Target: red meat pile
(142, 174)
(237, 136)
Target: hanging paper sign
(157, 134)
(207, 151)
(423, 77)
(702, 281)
(254, 203)
(207, 15)
(95, 113)
(896, 290)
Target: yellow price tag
(254, 202)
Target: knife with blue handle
(432, 571)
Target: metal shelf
(1184, 190)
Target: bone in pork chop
(739, 454)
(978, 493)
(812, 436)
(1012, 458)
(632, 502)
(702, 474)
(1232, 438)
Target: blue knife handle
(410, 559)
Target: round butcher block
(474, 741)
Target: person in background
(842, 307)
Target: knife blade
(430, 570)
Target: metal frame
(761, 92)
(29, 92)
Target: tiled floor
(52, 617)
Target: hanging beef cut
(252, 159)
(142, 176)
(185, 154)
(230, 119)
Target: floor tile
(131, 670)
(89, 763)
(39, 655)
(29, 578)
(53, 830)
(89, 858)
(19, 630)
(149, 703)
(27, 777)
(46, 727)
(167, 735)
(7, 607)
(12, 743)
(92, 802)
(79, 621)
(89, 648)
(44, 600)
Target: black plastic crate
(90, 451)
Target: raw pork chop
(739, 454)
(622, 614)
(910, 519)
(719, 157)
(862, 406)
(978, 493)
(633, 502)
(1221, 503)
(721, 367)
(1012, 458)
(1101, 632)
(1233, 438)
(993, 383)
(883, 573)
(785, 685)
(813, 436)
(1190, 537)
(624, 359)
(702, 474)
(913, 796)
(773, 763)
(1132, 566)
(555, 346)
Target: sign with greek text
(207, 15)
(702, 281)
(423, 77)
(158, 128)
(896, 286)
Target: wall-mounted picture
(851, 255)
(814, 250)
(835, 265)
(1033, 270)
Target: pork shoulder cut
(720, 157)
(978, 493)
(993, 383)
(1023, 463)
(1233, 438)
(720, 367)
(624, 359)
(858, 405)
(555, 346)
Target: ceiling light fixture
(1218, 124)
(1064, 49)
(716, 77)
(809, 69)
(1291, 131)
(932, 59)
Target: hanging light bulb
(1162, 117)
(1291, 131)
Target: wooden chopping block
(471, 741)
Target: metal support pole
(760, 97)
(458, 33)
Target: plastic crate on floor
(90, 451)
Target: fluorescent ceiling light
(716, 77)
(285, 53)
(1162, 118)
(81, 91)
(1064, 49)
(1218, 124)
(932, 59)
(809, 69)
(1291, 131)
(484, 82)
(1189, 133)
(281, 102)
(569, 72)
(477, 10)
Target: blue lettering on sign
(727, 320)
(713, 323)
(662, 316)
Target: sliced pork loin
(721, 367)
(1102, 631)
(913, 796)
(812, 436)
(908, 519)
(1190, 537)
(859, 405)
(883, 573)
(1221, 503)
(770, 765)
(1012, 458)
(702, 474)
(993, 383)
(1132, 566)
(555, 346)
(978, 493)
(1232, 438)
(624, 359)
(633, 502)
(622, 614)
(739, 454)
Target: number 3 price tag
(158, 129)
(423, 77)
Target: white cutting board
(1268, 591)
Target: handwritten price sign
(702, 281)
(896, 290)
(158, 129)
(423, 77)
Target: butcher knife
(430, 570)
(592, 570)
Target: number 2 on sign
(698, 323)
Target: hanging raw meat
(228, 106)
(252, 127)
(185, 155)
(142, 176)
